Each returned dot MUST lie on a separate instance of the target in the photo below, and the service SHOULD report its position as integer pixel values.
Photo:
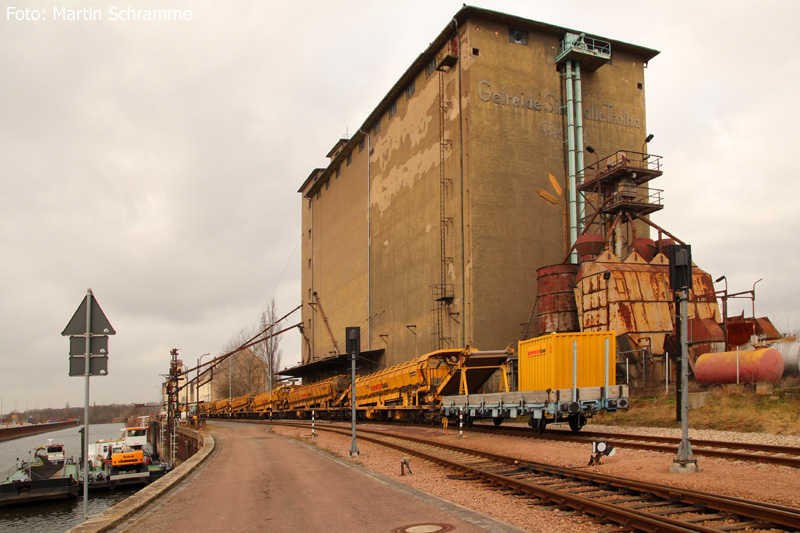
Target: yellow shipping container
(546, 362)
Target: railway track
(738, 451)
(631, 504)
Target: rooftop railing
(583, 43)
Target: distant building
(426, 228)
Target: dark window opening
(476, 52)
(392, 109)
(430, 68)
(517, 36)
(410, 90)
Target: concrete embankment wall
(14, 432)
(114, 516)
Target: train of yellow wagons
(560, 377)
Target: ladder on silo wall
(443, 291)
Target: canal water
(55, 517)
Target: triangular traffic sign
(100, 324)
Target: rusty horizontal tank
(790, 350)
(752, 366)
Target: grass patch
(726, 409)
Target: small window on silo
(517, 36)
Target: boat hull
(20, 492)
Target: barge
(48, 475)
(126, 461)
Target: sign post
(353, 348)
(88, 330)
(680, 281)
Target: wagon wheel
(497, 421)
(538, 424)
(576, 422)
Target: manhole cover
(424, 528)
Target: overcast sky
(158, 163)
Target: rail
(657, 508)
(736, 451)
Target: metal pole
(737, 365)
(644, 368)
(312, 424)
(354, 445)
(574, 371)
(460, 421)
(605, 371)
(685, 462)
(87, 360)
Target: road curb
(114, 516)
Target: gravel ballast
(776, 484)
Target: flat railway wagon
(563, 377)
(413, 390)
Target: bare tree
(269, 351)
(243, 372)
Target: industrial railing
(631, 197)
(586, 44)
(621, 159)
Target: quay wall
(14, 432)
(113, 517)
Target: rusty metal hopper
(473, 371)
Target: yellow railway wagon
(221, 406)
(547, 362)
(278, 396)
(398, 385)
(261, 402)
(241, 403)
(319, 394)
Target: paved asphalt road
(258, 481)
